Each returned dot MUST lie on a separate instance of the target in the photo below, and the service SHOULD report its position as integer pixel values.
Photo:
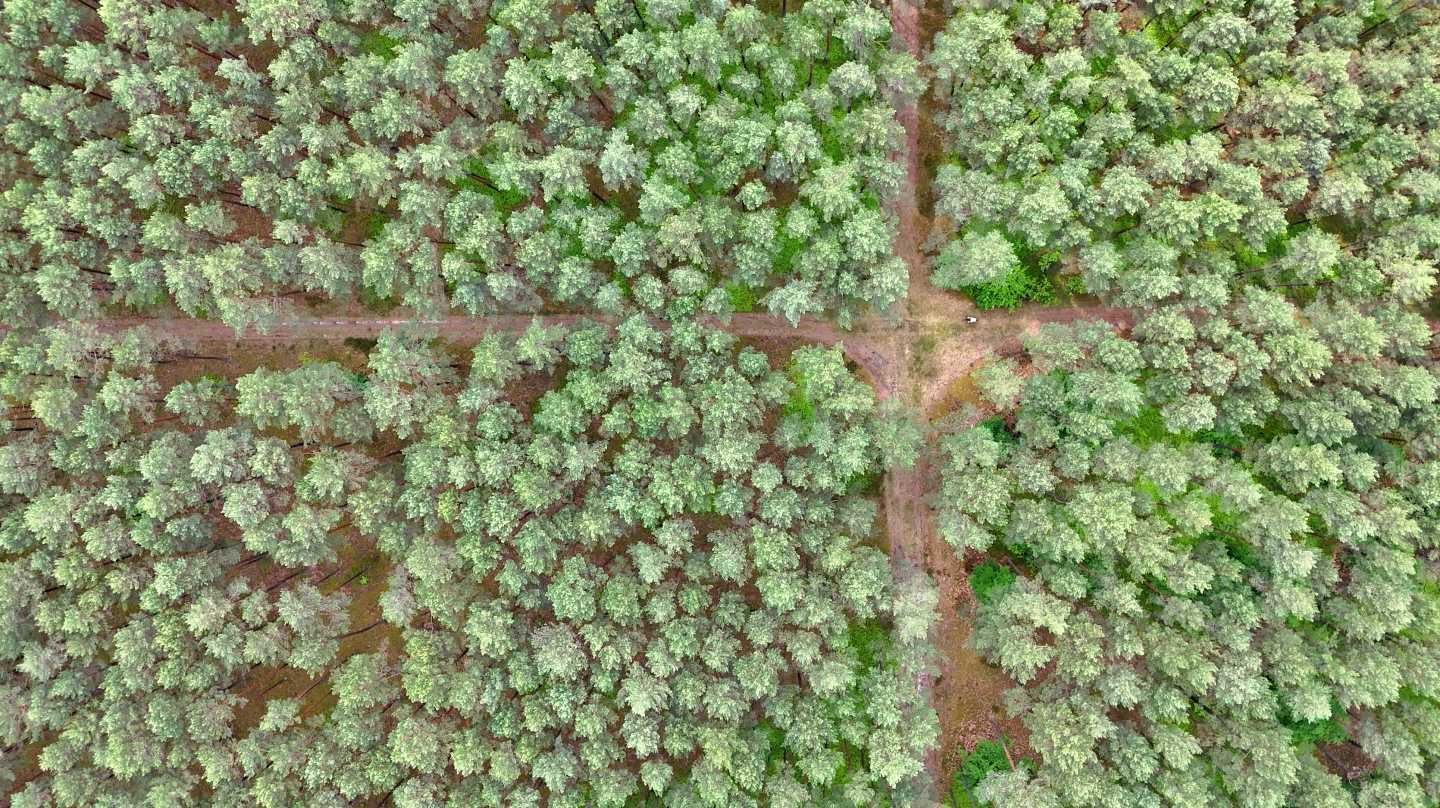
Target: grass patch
(799, 403)
(920, 358)
(742, 298)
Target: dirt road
(905, 514)
(877, 347)
(873, 356)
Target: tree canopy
(1219, 527)
(598, 568)
(515, 156)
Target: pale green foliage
(999, 382)
(974, 259)
(1181, 576)
(1168, 151)
(601, 561)
(1222, 521)
(446, 156)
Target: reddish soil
(907, 518)
(874, 355)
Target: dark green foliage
(1023, 284)
(990, 581)
(376, 43)
(1147, 428)
(867, 484)
(1028, 282)
(1313, 732)
(997, 428)
(871, 642)
(987, 757)
(799, 404)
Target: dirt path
(875, 356)
(907, 519)
(934, 348)
(948, 350)
(877, 348)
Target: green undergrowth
(1022, 285)
(989, 581)
(988, 756)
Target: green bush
(742, 298)
(989, 581)
(986, 757)
(1024, 284)
(378, 44)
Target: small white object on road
(971, 320)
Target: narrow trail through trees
(906, 520)
(877, 347)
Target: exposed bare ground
(873, 355)
(877, 348)
(907, 518)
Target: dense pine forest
(699, 403)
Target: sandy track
(905, 514)
(877, 347)
(875, 357)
